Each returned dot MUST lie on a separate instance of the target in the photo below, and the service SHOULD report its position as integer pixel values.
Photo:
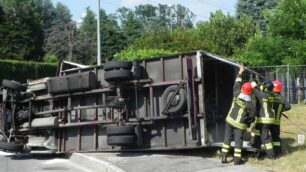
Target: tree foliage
(255, 9)
(130, 54)
(285, 41)
(264, 32)
(88, 38)
(222, 35)
(21, 32)
(225, 34)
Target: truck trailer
(172, 102)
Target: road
(27, 163)
(186, 161)
(201, 160)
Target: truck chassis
(173, 102)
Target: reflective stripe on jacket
(241, 111)
(281, 105)
(270, 107)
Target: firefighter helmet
(277, 86)
(268, 86)
(246, 88)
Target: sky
(201, 8)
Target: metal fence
(293, 78)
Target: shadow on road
(27, 156)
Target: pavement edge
(95, 164)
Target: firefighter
(280, 105)
(255, 140)
(241, 114)
(265, 117)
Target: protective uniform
(266, 117)
(280, 105)
(255, 140)
(242, 112)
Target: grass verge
(294, 154)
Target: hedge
(21, 70)
(130, 54)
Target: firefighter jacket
(280, 105)
(241, 112)
(266, 109)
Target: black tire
(117, 75)
(178, 106)
(12, 147)
(123, 140)
(117, 65)
(13, 85)
(120, 130)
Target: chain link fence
(293, 78)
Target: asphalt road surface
(27, 163)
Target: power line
(214, 5)
(112, 4)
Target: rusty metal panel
(71, 138)
(153, 68)
(175, 133)
(87, 138)
(157, 135)
(173, 69)
(88, 114)
(102, 139)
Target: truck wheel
(178, 103)
(13, 147)
(120, 130)
(117, 65)
(117, 75)
(121, 140)
(13, 85)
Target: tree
(161, 17)
(285, 42)
(131, 26)
(183, 16)
(255, 8)
(288, 22)
(21, 31)
(112, 39)
(225, 34)
(62, 14)
(61, 39)
(288, 19)
(48, 14)
(88, 38)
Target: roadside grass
(294, 155)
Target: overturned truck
(173, 102)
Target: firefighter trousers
(276, 141)
(232, 133)
(266, 138)
(255, 139)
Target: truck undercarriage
(173, 102)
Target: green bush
(50, 58)
(131, 54)
(21, 71)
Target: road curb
(95, 164)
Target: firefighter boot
(278, 151)
(238, 161)
(224, 158)
(271, 154)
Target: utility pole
(98, 36)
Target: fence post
(288, 83)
